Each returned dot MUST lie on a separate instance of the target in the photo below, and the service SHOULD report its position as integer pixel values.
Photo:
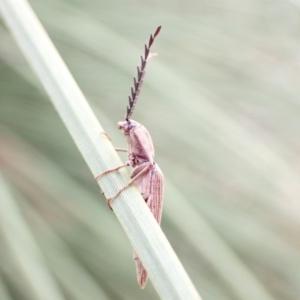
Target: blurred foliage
(221, 102)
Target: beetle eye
(130, 125)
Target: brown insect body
(146, 173)
(151, 184)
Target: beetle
(146, 173)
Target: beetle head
(128, 126)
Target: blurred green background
(221, 101)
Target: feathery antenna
(137, 83)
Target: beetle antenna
(138, 81)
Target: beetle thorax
(139, 141)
